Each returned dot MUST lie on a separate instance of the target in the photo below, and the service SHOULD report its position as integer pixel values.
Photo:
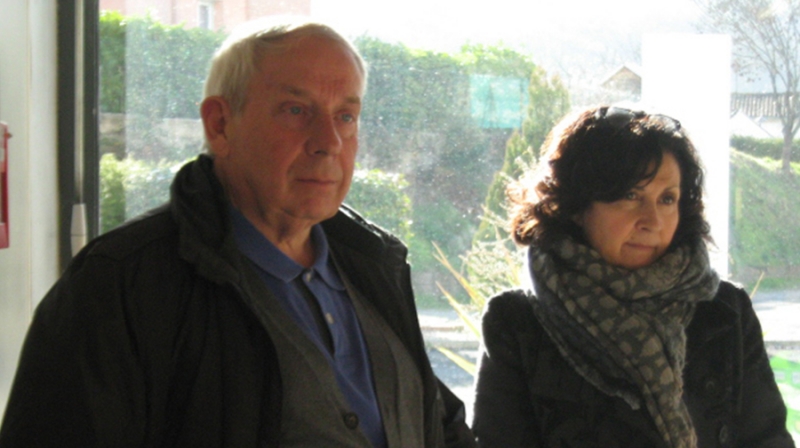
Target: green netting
(498, 101)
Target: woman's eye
(669, 199)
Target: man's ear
(216, 115)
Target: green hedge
(758, 147)
(157, 69)
(381, 197)
(153, 69)
(131, 187)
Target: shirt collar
(260, 250)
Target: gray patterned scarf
(624, 330)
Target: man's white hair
(238, 58)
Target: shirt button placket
(724, 435)
(351, 420)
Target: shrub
(131, 187)
(112, 193)
(381, 197)
(150, 68)
(759, 147)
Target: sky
(581, 39)
(450, 23)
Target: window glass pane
(460, 98)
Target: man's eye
(631, 195)
(348, 118)
(295, 110)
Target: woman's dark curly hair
(600, 155)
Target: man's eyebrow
(302, 93)
(353, 100)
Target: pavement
(444, 329)
(779, 314)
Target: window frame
(78, 126)
(205, 8)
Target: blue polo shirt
(349, 358)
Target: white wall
(28, 72)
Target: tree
(766, 38)
(498, 60)
(548, 102)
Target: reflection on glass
(460, 97)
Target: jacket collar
(199, 206)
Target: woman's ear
(216, 115)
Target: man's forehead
(291, 46)
(313, 47)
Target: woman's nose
(650, 217)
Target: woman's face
(636, 230)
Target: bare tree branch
(766, 39)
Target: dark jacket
(150, 339)
(528, 396)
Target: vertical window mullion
(77, 120)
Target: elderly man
(254, 309)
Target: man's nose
(325, 136)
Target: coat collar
(200, 208)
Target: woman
(628, 337)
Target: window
(205, 14)
(451, 84)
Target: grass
(764, 217)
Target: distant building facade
(761, 109)
(752, 114)
(623, 84)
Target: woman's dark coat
(528, 396)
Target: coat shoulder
(510, 310)
(157, 226)
(733, 294)
(510, 327)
